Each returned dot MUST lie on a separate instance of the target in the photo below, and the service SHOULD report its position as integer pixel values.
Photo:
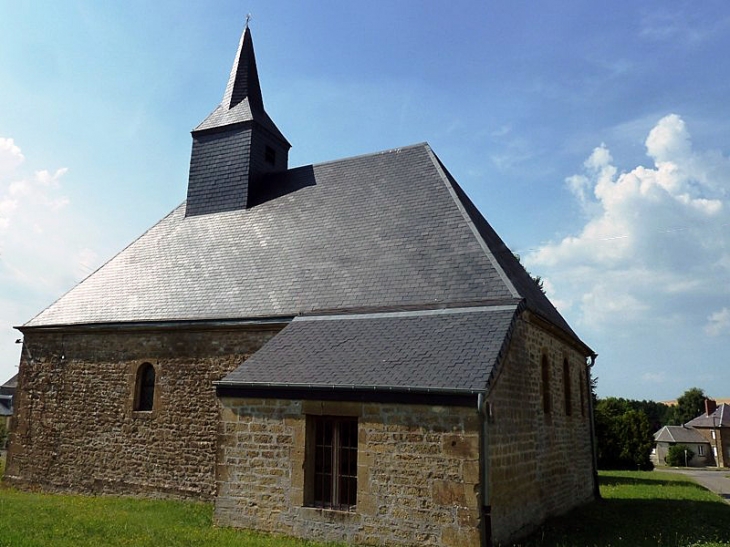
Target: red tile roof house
(342, 351)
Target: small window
(545, 370)
(270, 155)
(713, 434)
(566, 388)
(700, 450)
(333, 475)
(145, 388)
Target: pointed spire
(244, 79)
(242, 100)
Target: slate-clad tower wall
(236, 145)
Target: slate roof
(436, 350)
(242, 100)
(679, 434)
(719, 418)
(387, 230)
(8, 388)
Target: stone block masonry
(541, 464)
(419, 467)
(417, 472)
(75, 426)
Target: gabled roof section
(242, 99)
(435, 351)
(719, 418)
(514, 274)
(386, 231)
(679, 434)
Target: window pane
(348, 492)
(334, 477)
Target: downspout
(486, 506)
(589, 365)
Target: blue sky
(593, 138)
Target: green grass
(33, 519)
(641, 509)
(638, 509)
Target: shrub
(676, 455)
(3, 436)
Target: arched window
(545, 370)
(566, 388)
(145, 388)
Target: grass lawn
(638, 509)
(642, 508)
(32, 519)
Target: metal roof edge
(392, 394)
(161, 325)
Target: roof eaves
(162, 325)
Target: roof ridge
(396, 150)
(467, 218)
(412, 313)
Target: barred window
(333, 475)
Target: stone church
(341, 351)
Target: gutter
(484, 472)
(594, 448)
(360, 393)
(159, 325)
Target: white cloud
(42, 250)
(655, 244)
(718, 323)
(10, 156)
(654, 377)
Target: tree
(679, 455)
(3, 436)
(690, 405)
(623, 434)
(658, 414)
(536, 278)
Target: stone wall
(418, 472)
(75, 427)
(720, 442)
(540, 464)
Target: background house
(7, 390)
(714, 426)
(708, 435)
(671, 435)
(344, 351)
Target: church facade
(341, 351)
